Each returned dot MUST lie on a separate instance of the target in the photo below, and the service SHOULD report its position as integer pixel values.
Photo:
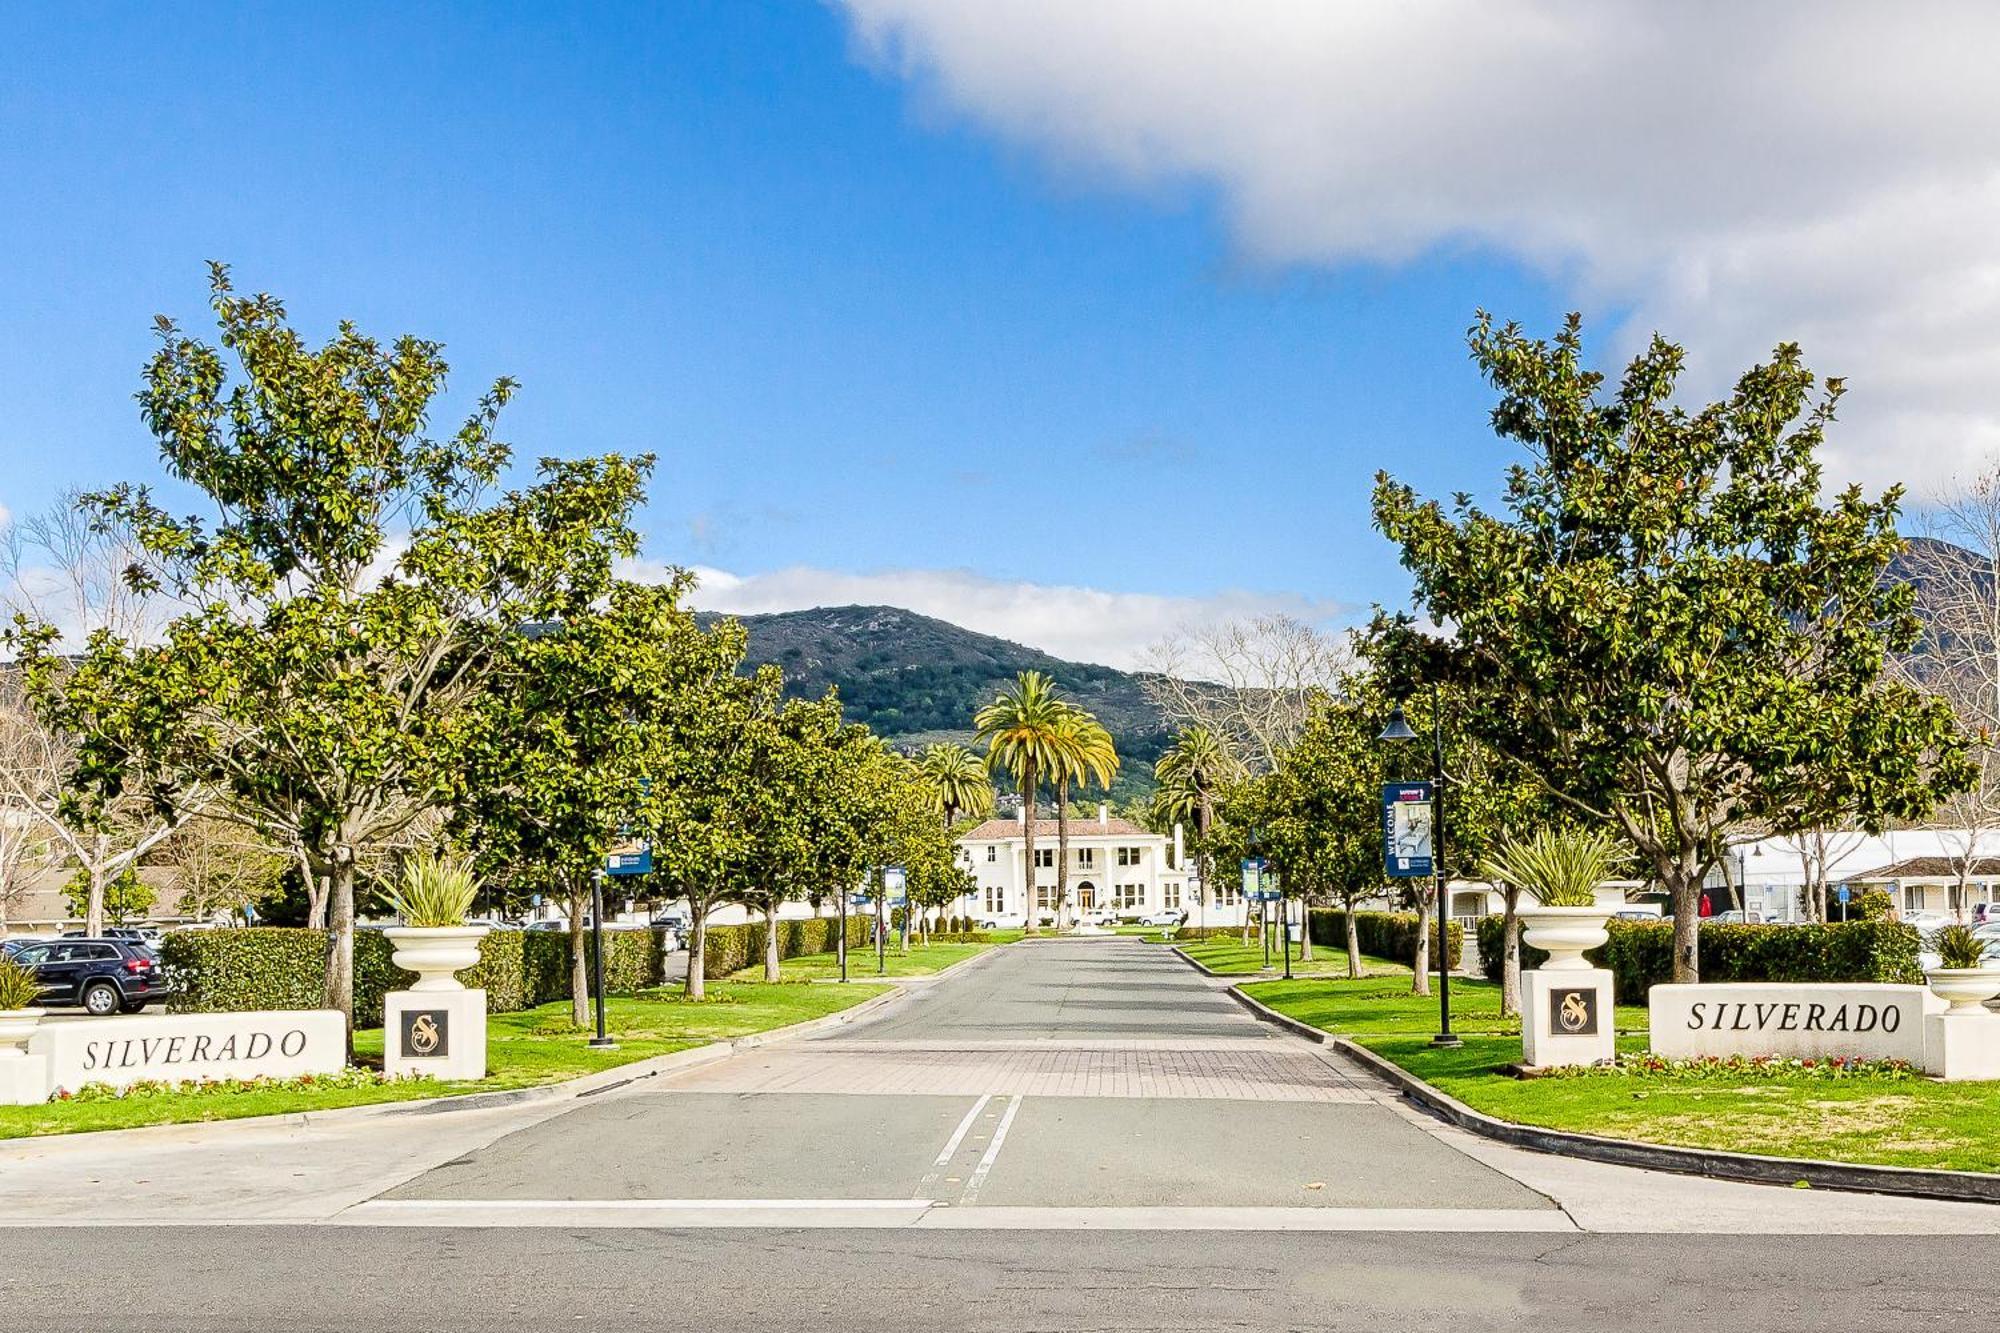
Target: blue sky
(872, 327)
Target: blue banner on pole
(1406, 830)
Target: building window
(1086, 856)
(1228, 894)
(996, 899)
(1044, 896)
(1045, 858)
(1129, 856)
(992, 854)
(1170, 895)
(1129, 896)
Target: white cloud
(1080, 624)
(1731, 174)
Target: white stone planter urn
(434, 953)
(1564, 933)
(16, 1026)
(1965, 989)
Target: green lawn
(921, 960)
(1901, 1122)
(523, 1049)
(1385, 1006)
(1232, 957)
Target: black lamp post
(597, 958)
(1254, 846)
(1399, 729)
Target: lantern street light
(1399, 729)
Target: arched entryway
(1086, 897)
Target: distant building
(1117, 871)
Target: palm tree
(1191, 770)
(1020, 731)
(1084, 751)
(959, 782)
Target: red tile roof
(1079, 826)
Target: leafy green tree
(561, 747)
(353, 594)
(1021, 731)
(1670, 630)
(125, 898)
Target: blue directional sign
(1843, 893)
(1406, 829)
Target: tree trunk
(1305, 930)
(340, 939)
(1510, 955)
(93, 910)
(1684, 892)
(1353, 944)
(771, 939)
(1028, 830)
(695, 986)
(1420, 984)
(579, 965)
(1062, 852)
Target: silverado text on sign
(1794, 1021)
(171, 1047)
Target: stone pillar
(434, 1033)
(1960, 1046)
(1567, 1017)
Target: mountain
(915, 679)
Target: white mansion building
(1117, 871)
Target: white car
(1925, 921)
(1163, 919)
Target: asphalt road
(1060, 1136)
(445, 1281)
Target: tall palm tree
(959, 782)
(1084, 750)
(1190, 772)
(1020, 731)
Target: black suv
(104, 976)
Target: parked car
(1636, 914)
(1743, 918)
(13, 944)
(146, 935)
(103, 976)
(1163, 919)
(1925, 921)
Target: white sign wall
(1815, 1020)
(172, 1047)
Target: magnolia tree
(1668, 626)
(566, 738)
(62, 576)
(354, 592)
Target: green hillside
(915, 679)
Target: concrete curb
(1912, 1182)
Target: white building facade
(1117, 872)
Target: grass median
(535, 1046)
(921, 961)
(1892, 1121)
(1231, 957)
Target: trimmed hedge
(1640, 954)
(281, 967)
(730, 948)
(1391, 935)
